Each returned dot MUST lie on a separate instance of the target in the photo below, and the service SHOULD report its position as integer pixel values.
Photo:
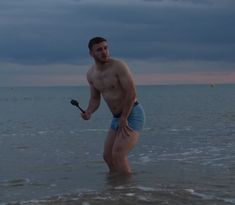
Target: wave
(135, 195)
(14, 182)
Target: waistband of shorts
(119, 115)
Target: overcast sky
(44, 42)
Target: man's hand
(124, 130)
(123, 123)
(86, 115)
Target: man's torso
(107, 83)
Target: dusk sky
(44, 42)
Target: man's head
(95, 40)
(98, 47)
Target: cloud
(193, 3)
(145, 72)
(179, 66)
(46, 32)
(186, 78)
(49, 32)
(42, 74)
(39, 36)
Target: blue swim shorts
(136, 118)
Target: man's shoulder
(90, 73)
(118, 61)
(91, 70)
(120, 64)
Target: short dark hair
(94, 41)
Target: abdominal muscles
(114, 99)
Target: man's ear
(91, 54)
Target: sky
(44, 43)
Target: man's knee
(118, 155)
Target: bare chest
(105, 81)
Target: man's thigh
(125, 141)
(109, 142)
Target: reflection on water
(114, 180)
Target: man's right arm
(94, 101)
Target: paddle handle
(83, 111)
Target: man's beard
(102, 60)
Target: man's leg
(124, 142)
(108, 147)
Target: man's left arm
(128, 88)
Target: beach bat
(76, 104)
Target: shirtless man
(112, 79)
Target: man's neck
(101, 66)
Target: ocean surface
(185, 155)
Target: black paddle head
(75, 103)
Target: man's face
(100, 52)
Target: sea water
(185, 155)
